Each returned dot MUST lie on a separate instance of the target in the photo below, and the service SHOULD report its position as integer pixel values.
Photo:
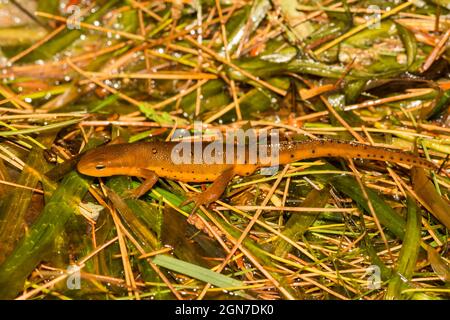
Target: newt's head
(103, 162)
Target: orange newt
(151, 160)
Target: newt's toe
(199, 199)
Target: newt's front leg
(150, 179)
(213, 192)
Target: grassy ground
(376, 72)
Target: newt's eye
(100, 167)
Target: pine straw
(150, 78)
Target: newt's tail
(290, 152)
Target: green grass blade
(31, 249)
(39, 129)
(387, 216)
(194, 271)
(409, 252)
(297, 224)
(15, 206)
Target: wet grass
(325, 228)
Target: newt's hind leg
(212, 193)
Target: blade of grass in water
(31, 249)
(108, 264)
(387, 216)
(50, 48)
(299, 223)
(5, 176)
(439, 265)
(265, 69)
(39, 129)
(144, 222)
(20, 35)
(409, 252)
(143, 234)
(186, 246)
(104, 103)
(196, 272)
(440, 106)
(409, 43)
(426, 191)
(15, 206)
(256, 14)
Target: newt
(152, 160)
